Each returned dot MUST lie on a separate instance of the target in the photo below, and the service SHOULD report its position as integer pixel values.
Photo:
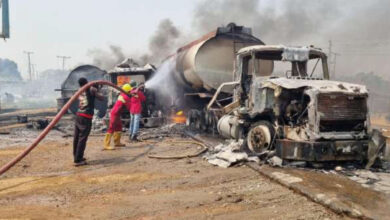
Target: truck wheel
(210, 121)
(198, 120)
(190, 119)
(204, 125)
(259, 137)
(193, 120)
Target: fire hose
(63, 110)
(204, 149)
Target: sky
(359, 29)
(72, 27)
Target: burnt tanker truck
(276, 98)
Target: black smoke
(164, 41)
(106, 59)
(281, 21)
(359, 29)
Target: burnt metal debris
(22, 118)
(40, 124)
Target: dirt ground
(126, 184)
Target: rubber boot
(107, 141)
(117, 139)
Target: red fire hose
(42, 135)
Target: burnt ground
(125, 183)
(9, 116)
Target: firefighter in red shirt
(137, 97)
(115, 126)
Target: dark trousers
(81, 131)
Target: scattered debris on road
(228, 154)
(38, 124)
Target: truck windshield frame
(297, 68)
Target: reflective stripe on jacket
(122, 101)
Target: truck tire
(190, 120)
(259, 137)
(211, 121)
(203, 123)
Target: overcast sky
(359, 29)
(72, 27)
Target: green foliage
(9, 71)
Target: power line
(375, 40)
(365, 54)
(355, 49)
(352, 49)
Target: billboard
(4, 19)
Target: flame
(179, 118)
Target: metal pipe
(43, 134)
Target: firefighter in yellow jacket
(115, 126)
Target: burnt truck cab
(284, 101)
(125, 72)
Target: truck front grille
(342, 112)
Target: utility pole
(29, 62)
(334, 65)
(333, 55)
(63, 60)
(34, 71)
(330, 50)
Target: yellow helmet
(126, 87)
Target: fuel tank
(204, 64)
(71, 85)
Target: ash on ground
(24, 137)
(228, 154)
(168, 130)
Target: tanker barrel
(204, 64)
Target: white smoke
(36, 93)
(164, 85)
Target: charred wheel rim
(189, 119)
(259, 138)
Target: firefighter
(115, 126)
(137, 97)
